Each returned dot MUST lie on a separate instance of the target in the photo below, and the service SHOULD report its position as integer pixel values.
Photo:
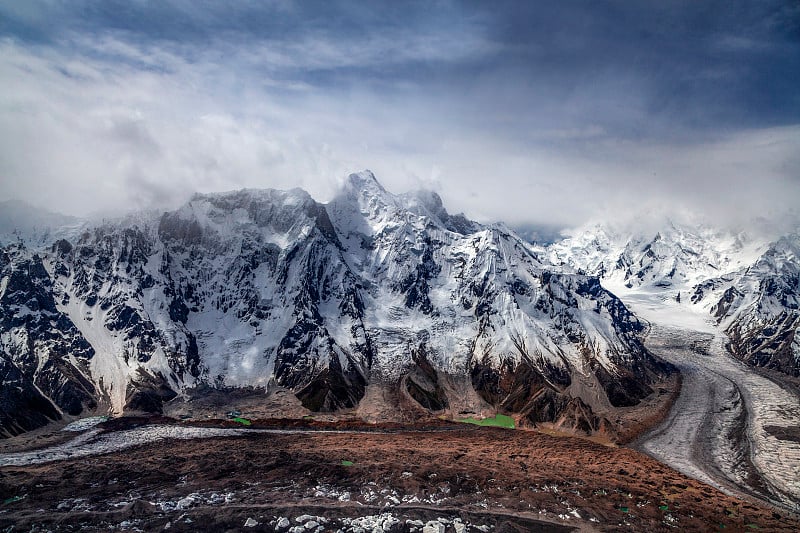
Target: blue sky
(548, 113)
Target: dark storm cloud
(700, 63)
(576, 108)
(650, 68)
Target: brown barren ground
(510, 480)
(637, 420)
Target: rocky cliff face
(44, 359)
(265, 289)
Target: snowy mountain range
(746, 285)
(273, 290)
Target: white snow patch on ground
(85, 423)
(655, 306)
(94, 442)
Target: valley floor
(462, 478)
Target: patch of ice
(94, 443)
(84, 423)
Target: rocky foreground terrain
(324, 477)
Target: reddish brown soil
(503, 478)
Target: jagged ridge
(271, 288)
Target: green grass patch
(347, 463)
(501, 421)
(242, 421)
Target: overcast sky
(549, 113)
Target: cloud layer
(526, 113)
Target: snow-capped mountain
(266, 289)
(758, 307)
(673, 258)
(746, 285)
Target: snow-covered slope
(672, 258)
(265, 288)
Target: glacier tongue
(713, 297)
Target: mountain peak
(252, 287)
(363, 190)
(21, 221)
(364, 181)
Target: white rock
(305, 518)
(184, 503)
(433, 527)
(388, 521)
(250, 523)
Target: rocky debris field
(437, 479)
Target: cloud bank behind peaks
(534, 114)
